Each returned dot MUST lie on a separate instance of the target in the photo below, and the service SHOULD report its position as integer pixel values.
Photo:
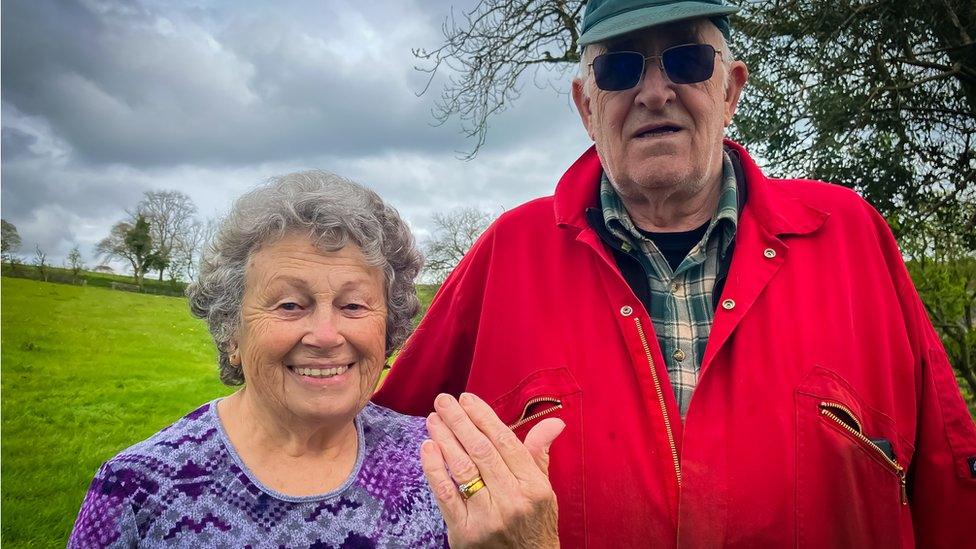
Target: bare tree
(489, 48)
(189, 247)
(454, 234)
(40, 260)
(171, 220)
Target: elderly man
(739, 360)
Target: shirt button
(679, 355)
(769, 252)
(728, 304)
(676, 287)
(626, 310)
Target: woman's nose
(323, 329)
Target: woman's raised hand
(492, 489)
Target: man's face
(658, 135)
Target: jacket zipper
(825, 407)
(556, 405)
(660, 400)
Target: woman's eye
(290, 306)
(354, 307)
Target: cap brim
(651, 16)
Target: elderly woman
(307, 290)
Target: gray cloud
(149, 86)
(104, 100)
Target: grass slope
(86, 373)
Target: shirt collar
(724, 222)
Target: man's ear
(738, 74)
(582, 102)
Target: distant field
(88, 278)
(87, 372)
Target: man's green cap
(605, 19)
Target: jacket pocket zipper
(829, 410)
(556, 405)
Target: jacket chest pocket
(540, 395)
(850, 468)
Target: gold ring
(469, 489)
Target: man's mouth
(658, 131)
(320, 373)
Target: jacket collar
(775, 208)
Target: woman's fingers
(519, 458)
(456, 458)
(445, 491)
(540, 439)
(481, 450)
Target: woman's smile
(323, 376)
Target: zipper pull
(904, 488)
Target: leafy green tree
(877, 96)
(9, 239)
(75, 262)
(880, 97)
(945, 276)
(131, 242)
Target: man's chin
(657, 175)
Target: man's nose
(654, 90)
(323, 329)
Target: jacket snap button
(769, 252)
(679, 355)
(626, 310)
(728, 304)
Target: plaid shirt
(681, 300)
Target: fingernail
(427, 446)
(467, 398)
(432, 418)
(443, 399)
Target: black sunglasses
(684, 64)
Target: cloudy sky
(103, 100)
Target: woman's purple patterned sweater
(186, 486)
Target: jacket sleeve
(437, 356)
(943, 472)
(942, 476)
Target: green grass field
(86, 373)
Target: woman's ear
(233, 354)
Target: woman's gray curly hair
(334, 212)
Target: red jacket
(820, 345)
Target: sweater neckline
(236, 458)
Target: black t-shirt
(675, 246)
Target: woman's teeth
(315, 372)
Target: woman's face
(313, 330)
